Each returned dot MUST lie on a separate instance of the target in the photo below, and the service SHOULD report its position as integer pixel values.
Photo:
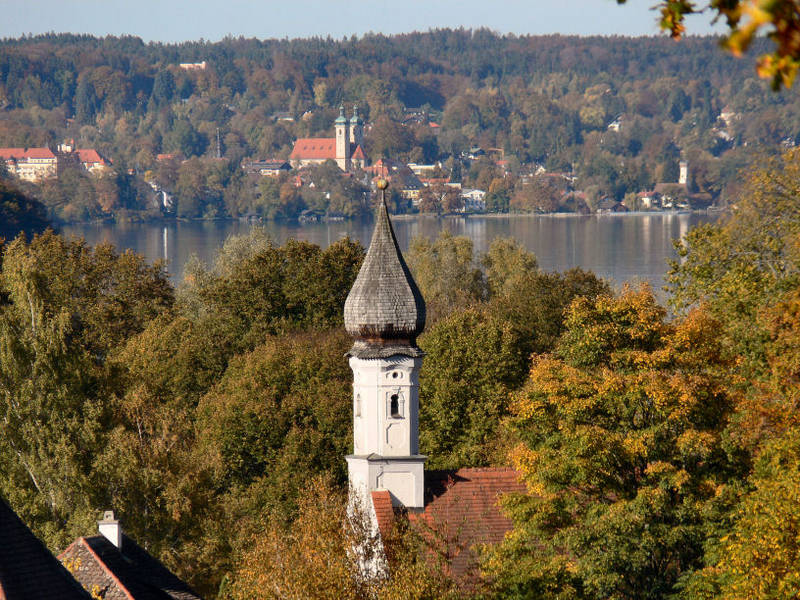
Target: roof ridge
(474, 470)
(105, 568)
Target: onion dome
(341, 118)
(355, 119)
(384, 311)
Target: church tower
(342, 141)
(356, 128)
(683, 177)
(385, 312)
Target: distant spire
(384, 311)
(341, 118)
(355, 119)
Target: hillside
(616, 113)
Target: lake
(617, 247)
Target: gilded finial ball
(382, 184)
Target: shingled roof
(384, 310)
(461, 512)
(28, 571)
(129, 573)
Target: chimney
(110, 529)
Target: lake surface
(617, 247)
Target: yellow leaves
(526, 461)
(667, 473)
(672, 16)
(636, 445)
(760, 557)
(697, 444)
(745, 20)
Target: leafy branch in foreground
(780, 19)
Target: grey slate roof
(28, 571)
(384, 310)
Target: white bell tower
(385, 312)
(342, 141)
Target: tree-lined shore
(614, 115)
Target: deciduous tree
(621, 446)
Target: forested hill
(399, 60)
(550, 100)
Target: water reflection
(618, 247)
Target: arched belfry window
(357, 407)
(394, 406)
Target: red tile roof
(23, 153)
(321, 149)
(27, 568)
(461, 511)
(314, 149)
(129, 574)
(382, 503)
(90, 155)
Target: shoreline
(397, 217)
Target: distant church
(385, 312)
(346, 148)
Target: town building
(117, 568)
(36, 164)
(30, 164)
(92, 161)
(345, 148)
(28, 571)
(424, 170)
(474, 200)
(384, 313)
(399, 175)
(198, 66)
(266, 168)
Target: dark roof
(257, 165)
(384, 306)
(461, 511)
(129, 574)
(28, 571)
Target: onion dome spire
(355, 119)
(384, 311)
(341, 118)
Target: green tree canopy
(621, 445)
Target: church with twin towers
(346, 148)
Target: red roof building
(28, 571)
(30, 164)
(345, 148)
(91, 160)
(313, 149)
